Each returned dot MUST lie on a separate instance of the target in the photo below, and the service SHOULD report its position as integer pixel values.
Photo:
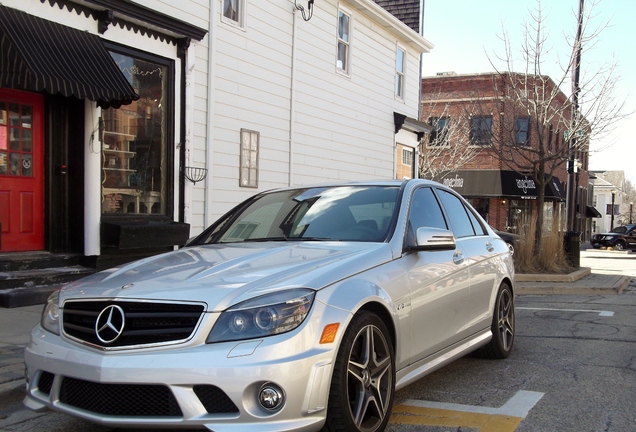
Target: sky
(467, 35)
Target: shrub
(549, 257)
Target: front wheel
(503, 325)
(619, 245)
(363, 382)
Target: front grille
(45, 382)
(120, 399)
(214, 400)
(145, 323)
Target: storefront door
(21, 171)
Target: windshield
(619, 230)
(353, 213)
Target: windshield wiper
(283, 238)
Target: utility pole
(573, 133)
(572, 239)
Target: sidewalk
(16, 323)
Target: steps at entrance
(27, 278)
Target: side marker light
(329, 333)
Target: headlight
(51, 314)
(267, 315)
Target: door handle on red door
(458, 257)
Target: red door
(21, 171)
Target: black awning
(40, 55)
(591, 212)
(555, 189)
(496, 183)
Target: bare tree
(560, 122)
(629, 197)
(445, 149)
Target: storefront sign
(525, 184)
(457, 182)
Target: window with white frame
(344, 41)
(400, 58)
(233, 12)
(407, 156)
(249, 158)
(439, 134)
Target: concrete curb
(593, 284)
(560, 278)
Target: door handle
(489, 247)
(458, 257)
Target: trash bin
(572, 247)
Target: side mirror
(429, 239)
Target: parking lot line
(485, 419)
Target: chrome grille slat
(146, 323)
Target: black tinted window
(477, 226)
(459, 220)
(425, 210)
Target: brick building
(489, 111)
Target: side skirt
(427, 365)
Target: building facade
(609, 198)
(128, 126)
(471, 113)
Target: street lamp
(631, 204)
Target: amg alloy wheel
(363, 381)
(503, 325)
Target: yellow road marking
(411, 415)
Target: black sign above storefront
(499, 183)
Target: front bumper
(85, 382)
(597, 243)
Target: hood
(223, 275)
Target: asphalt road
(573, 368)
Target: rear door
(21, 171)
(480, 256)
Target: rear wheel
(503, 325)
(363, 383)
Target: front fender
(384, 290)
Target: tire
(503, 326)
(619, 245)
(363, 382)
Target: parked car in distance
(300, 309)
(511, 239)
(620, 238)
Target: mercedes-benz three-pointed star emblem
(110, 324)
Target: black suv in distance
(620, 238)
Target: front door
(21, 171)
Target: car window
(477, 225)
(425, 211)
(459, 220)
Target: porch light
(307, 14)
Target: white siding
(343, 124)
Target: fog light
(271, 397)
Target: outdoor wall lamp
(307, 14)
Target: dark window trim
(517, 131)
(480, 136)
(170, 132)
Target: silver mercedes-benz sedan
(300, 309)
